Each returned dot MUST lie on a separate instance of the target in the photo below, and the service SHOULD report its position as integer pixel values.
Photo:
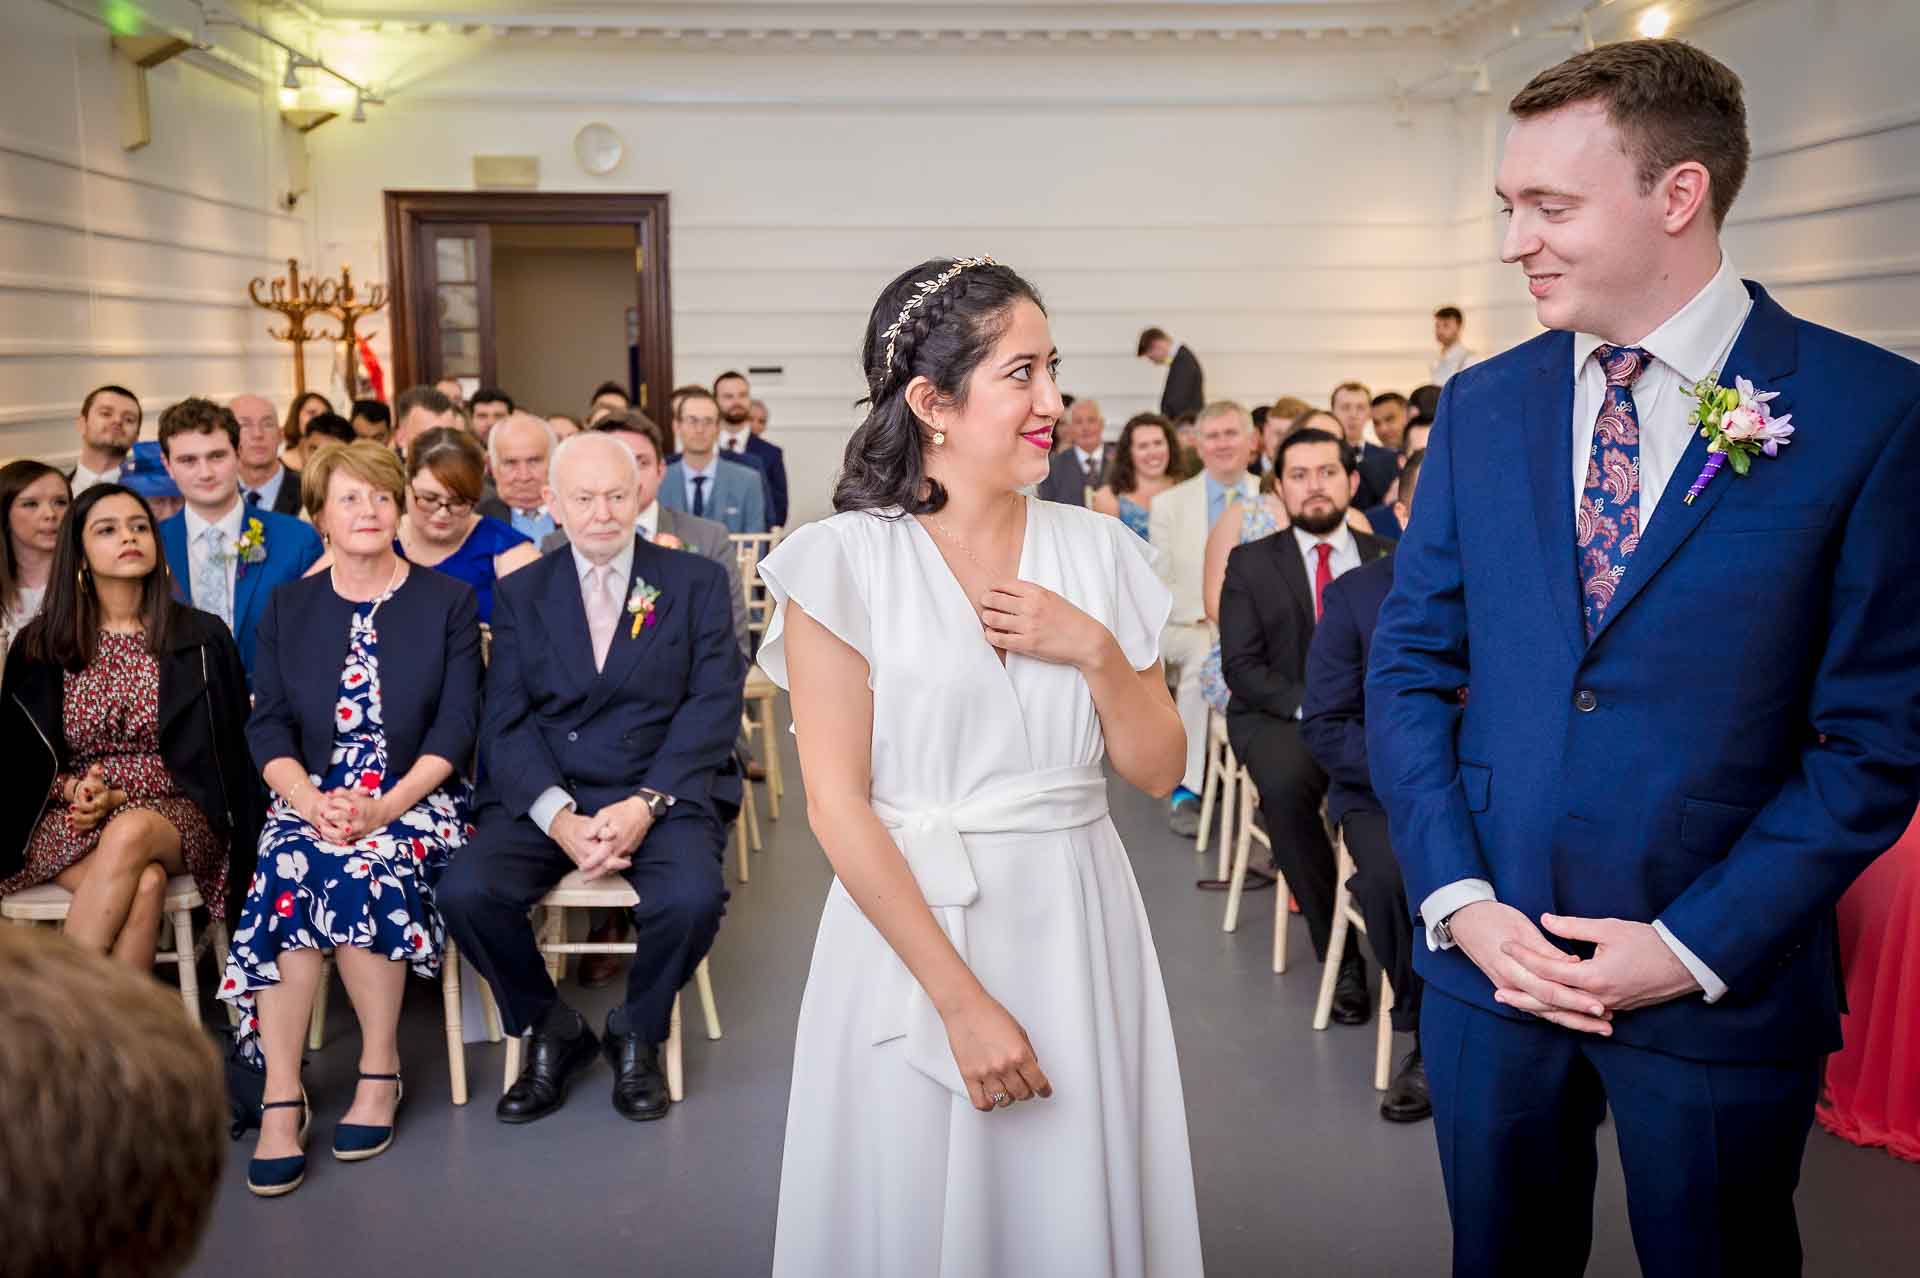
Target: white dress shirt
(554, 800)
(737, 442)
(199, 554)
(648, 525)
(1692, 344)
(84, 479)
(268, 493)
(1452, 360)
(710, 474)
(1344, 559)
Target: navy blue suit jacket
(773, 462)
(429, 656)
(663, 714)
(1740, 738)
(292, 548)
(1333, 711)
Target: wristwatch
(1444, 930)
(657, 803)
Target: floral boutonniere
(251, 548)
(1737, 425)
(640, 606)
(667, 541)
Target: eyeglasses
(432, 504)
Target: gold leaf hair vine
(927, 288)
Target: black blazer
(287, 500)
(1266, 623)
(1067, 483)
(1379, 468)
(662, 714)
(1334, 713)
(429, 672)
(203, 719)
(1183, 393)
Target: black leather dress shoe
(1351, 1006)
(639, 1084)
(1407, 1099)
(551, 1066)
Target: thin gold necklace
(961, 544)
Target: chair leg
(456, 1035)
(222, 942)
(1210, 787)
(1243, 847)
(1282, 916)
(770, 746)
(740, 839)
(1230, 807)
(676, 1075)
(1383, 1047)
(553, 929)
(183, 952)
(516, 1043)
(750, 807)
(317, 1026)
(703, 981)
(1336, 950)
(491, 1010)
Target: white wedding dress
(990, 779)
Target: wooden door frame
(407, 211)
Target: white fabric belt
(933, 842)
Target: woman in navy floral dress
(366, 764)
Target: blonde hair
(1287, 407)
(364, 459)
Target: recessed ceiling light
(1654, 22)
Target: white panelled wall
(1260, 199)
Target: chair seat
(49, 902)
(577, 892)
(759, 686)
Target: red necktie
(1322, 577)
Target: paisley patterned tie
(1607, 520)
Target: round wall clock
(598, 149)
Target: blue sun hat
(145, 472)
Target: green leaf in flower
(1741, 462)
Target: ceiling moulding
(1221, 22)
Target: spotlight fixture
(291, 80)
(1654, 22)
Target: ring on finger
(1000, 1100)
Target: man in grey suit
(706, 484)
(1083, 464)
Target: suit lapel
(246, 579)
(566, 612)
(173, 537)
(626, 647)
(1286, 547)
(1766, 352)
(1548, 441)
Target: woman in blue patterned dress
(1146, 462)
(446, 471)
(363, 744)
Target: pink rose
(1743, 423)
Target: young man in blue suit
(734, 396)
(613, 701)
(1638, 725)
(227, 557)
(701, 482)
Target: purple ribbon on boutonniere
(1738, 426)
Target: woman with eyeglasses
(446, 473)
(367, 706)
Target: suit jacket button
(1585, 702)
(574, 736)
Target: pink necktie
(603, 612)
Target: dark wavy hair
(67, 631)
(15, 478)
(1120, 475)
(944, 340)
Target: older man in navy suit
(613, 700)
(1641, 703)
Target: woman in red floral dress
(128, 710)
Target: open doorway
(544, 295)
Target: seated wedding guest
(613, 700)
(363, 743)
(1390, 411)
(1178, 526)
(1253, 520)
(564, 427)
(323, 429)
(124, 716)
(264, 482)
(226, 557)
(488, 408)
(442, 530)
(1081, 466)
(611, 396)
(293, 431)
(1270, 602)
(372, 419)
(739, 441)
(1146, 462)
(517, 452)
(456, 393)
(757, 417)
(420, 409)
(1422, 404)
(1376, 465)
(703, 483)
(1334, 727)
(109, 426)
(145, 473)
(1280, 419)
(33, 499)
(110, 1168)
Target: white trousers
(1184, 647)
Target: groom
(1691, 718)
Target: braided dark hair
(943, 340)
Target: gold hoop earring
(939, 437)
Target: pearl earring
(939, 437)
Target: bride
(984, 1078)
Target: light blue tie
(210, 593)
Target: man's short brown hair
(115, 1129)
(1361, 387)
(1671, 103)
(195, 417)
(1148, 336)
(636, 423)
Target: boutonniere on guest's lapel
(251, 548)
(1737, 425)
(640, 605)
(667, 541)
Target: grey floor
(1296, 1172)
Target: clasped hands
(91, 798)
(1631, 967)
(604, 842)
(345, 816)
